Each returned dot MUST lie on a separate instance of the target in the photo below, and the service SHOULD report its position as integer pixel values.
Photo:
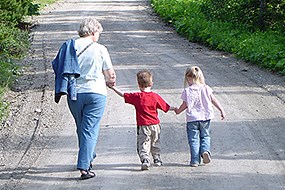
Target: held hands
(175, 109)
(110, 84)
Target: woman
(96, 70)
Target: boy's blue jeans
(198, 133)
(87, 112)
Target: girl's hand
(223, 115)
(175, 110)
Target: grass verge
(263, 48)
(14, 45)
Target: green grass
(14, 45)
(9, 72)
(43, 3)
(265, 49)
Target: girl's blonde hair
(196, 75)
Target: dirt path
(39, 145)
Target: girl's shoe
(194, 165)
(206, 158)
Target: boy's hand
(174, 109)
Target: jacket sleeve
(64, 65)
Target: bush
(264, 48)
(9, 72)
(14, 42)
(191, 22)
(12, 12)
(4, 106)
(254, 14)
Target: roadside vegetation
(14, 41)
(253, 30)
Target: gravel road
(38, 143)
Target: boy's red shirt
(146, 105)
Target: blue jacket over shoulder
(66, 70)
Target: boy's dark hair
(144, 78)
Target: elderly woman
(96, 70)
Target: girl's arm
(182, 107)
(172, 108)
(217, 104)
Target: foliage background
(14, 41)
(253, 30)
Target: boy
(146, 104)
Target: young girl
(198, 99)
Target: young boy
(146, 104)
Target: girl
(198, 99)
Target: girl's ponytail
(196, 75)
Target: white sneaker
(194, 165)
(145, 164)
(206, 158)
(157, 162)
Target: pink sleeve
(184, 95)
(209, 90)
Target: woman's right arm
(110, 75)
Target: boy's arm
(217, 104)
(118, 91)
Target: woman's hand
(110, 84)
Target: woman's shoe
(87, 174)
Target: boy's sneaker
(145, 164)
(206, 158)
(157, 162)
(194, 165)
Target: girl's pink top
(199, 104)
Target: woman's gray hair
(88, 26)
